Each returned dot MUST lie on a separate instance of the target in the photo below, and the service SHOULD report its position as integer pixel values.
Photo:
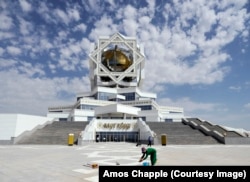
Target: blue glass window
(147, 107)
(129, 96)
(88, 107)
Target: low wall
(13, 125)
(237, 140)
(226, 140)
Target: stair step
(177, 133)
(54, 133)
(180, 133)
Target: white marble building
(116, 76)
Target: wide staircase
(55, 133)
(180, 134)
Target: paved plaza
(58, 163)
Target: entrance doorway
(117, 136)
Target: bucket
(145, 163)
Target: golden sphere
(115, 60)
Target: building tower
(116, 106)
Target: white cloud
(130, 12)
(14, 50)
(6, 22)
(66, 16)
(189, 105)
(104, 26)
(129, 20)
(93, 6)
(61, 15)
(7, 63)
(186, 48)
(6, 35)
(74, 14)
(1, 51)
(3, 4)
(45, 44)
(144, 21)
(45, 12)
(62, 35)
(30, 70)
(235, 88)
(26, 6)
(151, 8)
(66, 65)
(112, 3)
(130, 27)
(247, 83)
(71, 49)
(75, 48)
(247, 106)
(159, 88)
(65, 52)
(81, 27)
(245, 35)
(86, 45)
(26, 27)
(52, 67)
(180, 52)
(36, 95)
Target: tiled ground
(54, 163)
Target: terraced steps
(177, 133)
(55, 133)
(180, 134)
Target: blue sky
(197, 53)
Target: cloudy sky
(197, 53)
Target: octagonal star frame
(119, 40)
